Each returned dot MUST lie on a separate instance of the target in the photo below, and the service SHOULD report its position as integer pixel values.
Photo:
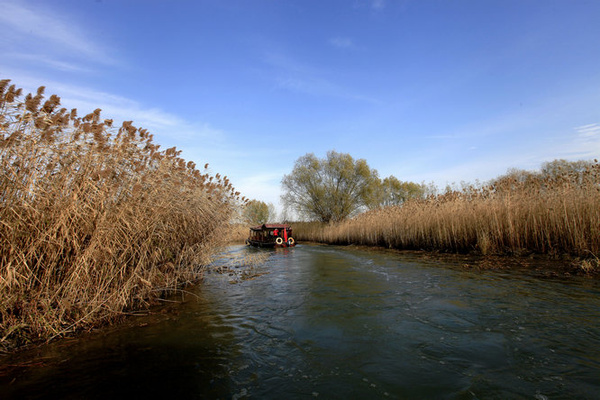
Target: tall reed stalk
(546, 215)
(94, 220)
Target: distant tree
(330, 189)
(574, 171)
(272, 212)
(396, 192)
(552, 174)
(515, 178)
(256, 212)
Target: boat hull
(272, 245)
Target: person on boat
(276, 232)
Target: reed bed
(238, 233)
(554, 215)
(95, 220)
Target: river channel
(330, 322)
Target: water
(336, 323)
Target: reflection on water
(336, 323)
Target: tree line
(332, 189)
(337, 187)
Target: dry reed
(238, 233)
(94, 220)
(546, 214)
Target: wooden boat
(271, 235)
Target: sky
(428, 91)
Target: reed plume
(553, 212)
(94, 219)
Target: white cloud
(39, 32)
(113, 106)
(486, 164)
(487, 149)
(168, 129)
(588, 131)
(39, 59)
(586, 143)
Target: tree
(330, 189)
(256, 212)
(272, 212)
(396, 192)
(551, 174)
(514, 179)
(573, 171)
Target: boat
(271, 235)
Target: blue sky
(427, 91)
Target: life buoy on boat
(291, 241)
(279, 240)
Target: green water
(336, 323)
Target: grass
(95, 220)
(544, 214)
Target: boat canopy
(270, 226)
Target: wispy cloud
(586, 143)
(375, 5)
(507, 141)
(53, 63)
(583, 143)
(378, 4)
(299, 77)
(40, 32)
(306, 85)
(171, 128)
(119, 107)
(284, 63)
(341, 42)
(588, 131)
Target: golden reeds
(554, 214)
(94, 220)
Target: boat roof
(270, 226)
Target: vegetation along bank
(553, 212)
(95, 220)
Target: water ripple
(337, 323)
